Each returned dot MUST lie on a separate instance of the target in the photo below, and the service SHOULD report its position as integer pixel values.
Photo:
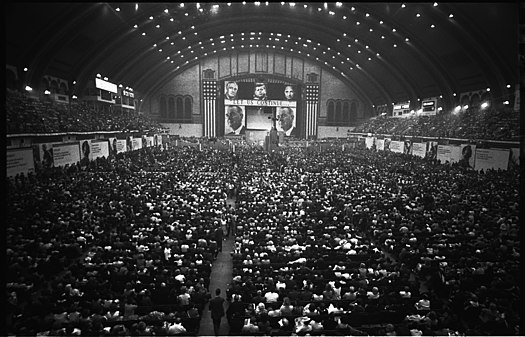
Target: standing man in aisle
(217, 310)
(218, 237)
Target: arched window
(330, 112)
(346, 113)
(474, 101)
(54, 87)
(486, 97)
(187, 108)
(180, 108)
(338, 117)
(63, 88)
(465, 100)
(162, 107)
(171, 108)
(353, 112)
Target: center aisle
(221, 277)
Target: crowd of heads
(475, 124)
(329, 242)
(29, 115)
(125, 246)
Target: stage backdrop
(258, 108)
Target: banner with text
(419, 149)
(19, 161)
(492, 159)
(66, 154)
(397, 146)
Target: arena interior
(263, 169)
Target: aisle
(221, 277)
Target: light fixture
(484, 105)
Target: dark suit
(241, 132)
(217, 311)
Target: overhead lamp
(28, 88)
(488, 89)
(435, 4)
(465, 107)
(484, 105)
(506, 102)
(47, 92)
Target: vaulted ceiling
(387, 52)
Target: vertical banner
(312, 103)
(432, 150)
(386, 144)
(129, 143)
(85, 151)
(514, 160)
(136, 143)
(369, 142)
(235, 120)
(150, 141)
(380, 144)
(492, 159)
(121, 145)
(45, 152)
(209, 90)
(19, 161)
(112, 146)
(287, 119)
(467, 155)
(407, 146)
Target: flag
(209, 89)
(312, 102)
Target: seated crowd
(327, 242)
(124, 246)
(30, 115)
(474, 124)
(374, 243)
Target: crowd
(124, 247)
(30, 115)
(375, 243)
(327, 242)
(475, 124)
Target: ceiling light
(435, 4)
(403, 5)
(451, 15)
(432, 26)
(418, 15)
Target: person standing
(217, 310)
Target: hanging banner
(121, 145)
(66, 154)
(492, 159)
(99, 149)
(19, 161)
(380, 144)
(397, 146)
(419, 149)
(467, 155)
